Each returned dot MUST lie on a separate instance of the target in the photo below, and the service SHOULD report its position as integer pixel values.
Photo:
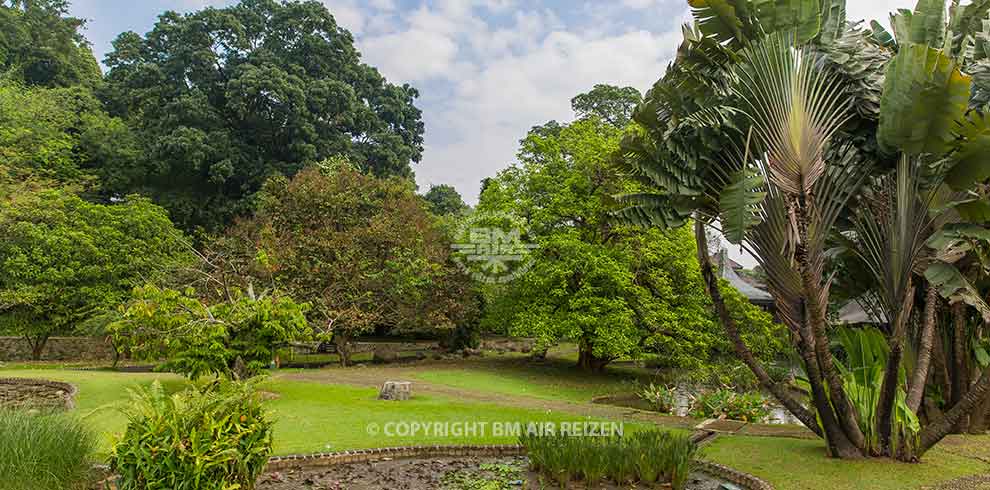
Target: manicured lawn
(315, 417)
(553, 380)
(794, 464)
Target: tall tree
(612, 104)
(444, 199)
(41, 45)
(225, 98)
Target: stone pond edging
(12, 393)
(281, 463)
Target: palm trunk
(937, 431)
(711, 285)
(919, 379)
(891, 378)
(816, 298)
(960, 370)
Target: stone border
(744, 480)
(69, 390)
(281, 463)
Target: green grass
(795, 464)
(310, 417)
(313, 417)
(519, 377)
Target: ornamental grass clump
(213, 437)
(648, 457)
(45, 451)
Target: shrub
(49, 451)
(648, 457)
(727, 404)
(213, 437)
(660, 398)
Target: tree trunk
(343, 344)
(891, 377)
(937, 431)
(916, 390)
(979, 421)
(37, 346)
(960, 370)
(587, 361)
(711, 285)
(816, 300)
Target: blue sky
(487, 70)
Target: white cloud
(878, 10)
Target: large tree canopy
(225, 98)
(41, 45)
(64, 260)
(363, 251)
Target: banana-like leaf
(739, 204)
(801, 17)
(975, 211)
(954, 286)
(881, 35)
(833, 20)
(725, 20)
(924, 96)
(928, 23)
(972, 156)
(900, 22)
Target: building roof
(728, 272)
(853, 313)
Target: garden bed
(25, 393)
(462, 473)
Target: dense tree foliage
(60, 134)
(444, 200)
(363, 251)
(615, 292)
(225, 98)
(63, 260)
(41, 45)
(236, 337)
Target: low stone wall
(507, 344)
(57, 349)
(36, 393)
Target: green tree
(235, 338)
(63, 260)
(615, 292)
(225, 98)
(444, 199)
(363, 251)
(611, 104)
(41, 45)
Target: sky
(486, 70)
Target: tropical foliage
(213, 437)
(804, 137)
